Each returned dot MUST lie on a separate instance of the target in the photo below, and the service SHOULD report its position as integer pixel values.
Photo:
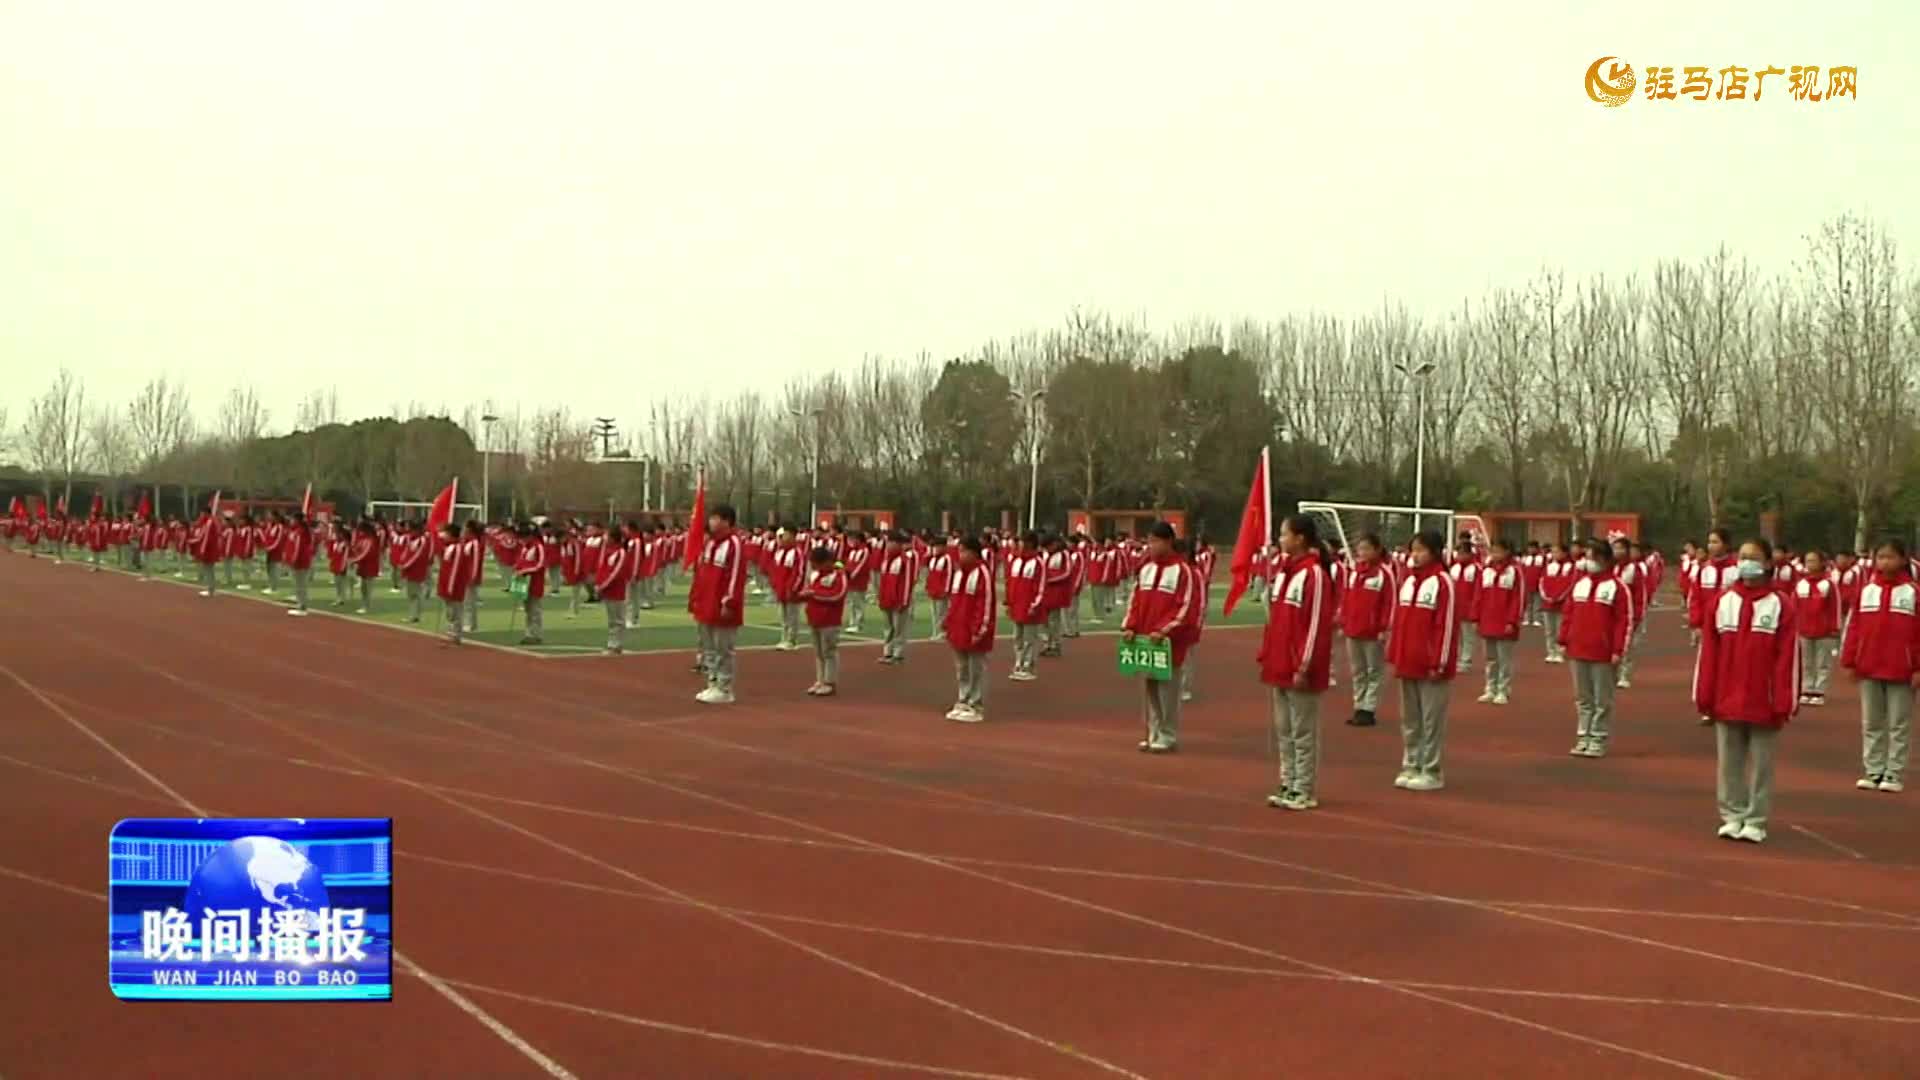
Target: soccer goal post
(1394, 525)
(404, 510)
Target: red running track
(598, 877)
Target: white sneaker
(1143, 746)
(954, 713)
(359, 611)
(715, 697)
(1162, 746)
(1892, 783)
(1404, 778)
(268, 591)
(206, 592)
(1623, 684)
(1023, 676)
(296, 613)
(1499, 699)
(1580, 748)
(969, 716)
(1752, 834)
(1423, 782)
(1729, 831)
(1298, 801)
(1485, 698)
(1867, 783)
(705, 697)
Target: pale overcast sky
(600, 203)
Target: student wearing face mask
(1594, 628)
(1633, 576)
(1882, 654)
(1747, 682)
(1715, 570)
(1424, 652)
(1556, 582)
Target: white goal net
(1393, 525)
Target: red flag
(17, 510)
(1256, 529)
(213, 508)
(441, 511)
(697, 528)
(99, 504)
(40, 509)
(306, 502)
(146, 507)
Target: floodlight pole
(486, 460)
(1030, 400)
(1418, 373)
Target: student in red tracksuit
(1465, 573)
(1296, 658)
(1556, 581)
(825, 593)
(1716, 570)
(1057, 589)
(1077, 551)
(1633, 575)
(338, 543)
(1848, 576)
(858, 559)
(787, 563)
(473, 556)
(942, 562)
(531, 564)
(898, 572)
(1882, 654)
(364, 555)
(296, 554)
(1747, 679)
(1816, 618)
(613, 572)
(717, 599)
(1533, 567)
(1366, 601)
(1595, 625)
(413, 554)
(969, 617)
(1026, 603)
(452, 582)
(208, 547)
(1424, 652)
(1499, 605)
(1165, 607)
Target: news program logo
(251, 909)
(1615, 88)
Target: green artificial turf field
(665, 628)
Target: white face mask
(1594, 566)
(1752, 569)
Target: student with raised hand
(1882, 654)
(1366, 613)
(1424, 652)
(1747, 682)
(1594, 622)
(1296, 659)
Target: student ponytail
(1309, 530)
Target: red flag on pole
(1256, 529)
(697, 528)
(40, 509)
(213, 508)
(17, 510)
(146, 507)
(306, 502)
(441, 511)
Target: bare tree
(160, 424)
(109, 449)
(1596, 354)
(1510, 384)
(1696, 317)
(53, 435)
(1851, 274)
(242, 420)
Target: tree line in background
(1707, 391)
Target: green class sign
(1143, 657)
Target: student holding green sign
(1165, 609)
(1296, 658)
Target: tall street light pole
(486, 461)
(1031, 400)
(1418, 373)
(813, 498)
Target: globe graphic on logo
(253, 872)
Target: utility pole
(603, 430)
